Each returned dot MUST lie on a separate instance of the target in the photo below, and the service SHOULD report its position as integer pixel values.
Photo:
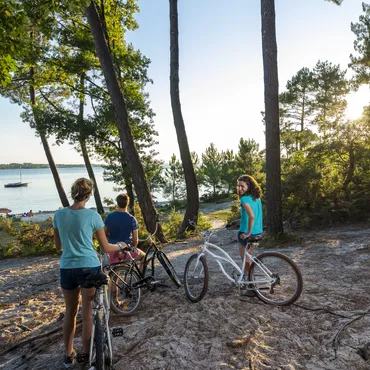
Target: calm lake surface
(41, 193)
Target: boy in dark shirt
(120, 225)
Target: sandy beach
(327, 328)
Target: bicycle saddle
(96, 279)
(255, 238)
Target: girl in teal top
(74, 227)
(250, 214)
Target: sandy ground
(327, 328)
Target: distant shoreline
(28, 166)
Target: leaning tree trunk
(85, 154)
(90, 171)
(127, 177)
(133, 160)
(192, 194)
(45, 144)
(273, 182)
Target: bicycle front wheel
(124, 296)
(196, 277)
(167, 265)
(99, 340)
(281, 284)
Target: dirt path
(328, 328)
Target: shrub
(37, 239)
(175, 218)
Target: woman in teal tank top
(74, 227)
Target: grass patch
(222, 214)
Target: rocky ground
(327, 328)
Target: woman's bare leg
(69, 323)
(248, 260)
(87, 298)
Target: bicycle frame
(225, 257)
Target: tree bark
(85, 154)
(136, 168)
(350, 170)
(192, 194)
(53, 168)
(273, 171)
(90, 171)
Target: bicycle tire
(289, 285)
(196, 286)
(167, 265)
(99, 340)
(128, 297)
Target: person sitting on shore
(30, 213)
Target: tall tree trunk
(130, 193)
(85, 154)
(350, 169)
(273, 171)
(128, 184)
(62, 195)
(302, 119)
(192, 194)
(136, 168)
(90, 171)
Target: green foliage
(211, 198)
(331, 87)
(230, 169)
(36, 239)
(7, 226)
(172, 225)
(222, 214)
(174, 180)
(212, 169)
(360, 63)
(234, 210)
(27, 239)
(249, 160)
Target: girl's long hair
(253, 188)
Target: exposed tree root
(340, 331)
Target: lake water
(41, 193)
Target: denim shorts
(72, 278)
(244, 242)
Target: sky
(221, 71)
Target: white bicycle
(274, 277)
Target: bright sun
(356, 102)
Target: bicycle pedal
(117, 332)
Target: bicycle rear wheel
(196, 277)
(288, 282)
(124, 297)
(169, 268)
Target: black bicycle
(127, 281)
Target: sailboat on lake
(17, 184)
